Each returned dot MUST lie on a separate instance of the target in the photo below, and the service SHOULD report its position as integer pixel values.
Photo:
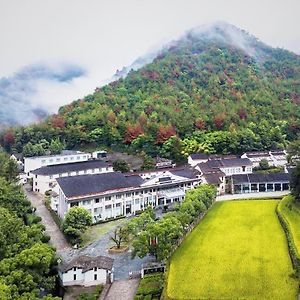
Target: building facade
(86, 271)
(36, 162)
(44, 178)
(115, 194)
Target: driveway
(57, 239)
(123, 289)
(123, 263)
(262, 195)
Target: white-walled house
(86, 271)
(44, 178)
(114, 194)
(33, 163)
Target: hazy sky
(100, 37)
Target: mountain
(217, 87)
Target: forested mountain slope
(217, 89)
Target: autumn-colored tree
(200, 124)
(219, 120)
(9, 137)
(242, 113)
(111, 116)
(143, 119)
(132, 132)
(57, 121)
(164, 133)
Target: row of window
(58, 159)
(84, 172)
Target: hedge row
(291, 244)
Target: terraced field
(239, 251)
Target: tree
(121, 165)
(294, 158)
(75, 223)
(148, 162)
(56, 146)
(120, 235)
(264, 164)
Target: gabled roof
(212, 178)
(87, 263)
(70, 167)
(227, 163)
(84, 185)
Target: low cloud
(22, 98)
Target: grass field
(291, 214)
(238, 251)
(94, 232)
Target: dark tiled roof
(199, 156)
(227, 163)
(70, 167)
(87, 263)
(261, 178)
(212, 178)
(257, 154)
(85, 185)
(185, 172)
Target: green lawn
(291, 213)
(238, 251)
(94, 232)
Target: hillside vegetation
(220, 90)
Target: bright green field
(238, 251)
(292, 215)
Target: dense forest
(221, 91)
(27, 263)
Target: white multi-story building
(114, 194)
(44, 178)
(33, 163)
(86, 271)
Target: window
(244, 168)
(84, 157)
(60, 175)
(58, 159)
(95, 276)
(74, 269)
(77, 172)
(84, 171)
(128, 195)
(51, 160)
(107, 168)
(78, 157)
(71, 158)
(95, 269)
(107, 206)
(35, 183)
(136, 201)
(74, 276)
(35, 176)
(107, 198)
(69, 173)
(97, 200)
(74, 204)
(43, 161)
(86, 202)
(93, 170)
(50, 176)
(118, 204)
(119, 196)
(65, 158)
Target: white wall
(86, 279)
(33, 163)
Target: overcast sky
(100, 37)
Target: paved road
(123, 290)
(252, 196)
(57, 239)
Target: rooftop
(70, 167)
(85, 185)
(230, 162)
(87, 263)
(260, 178)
